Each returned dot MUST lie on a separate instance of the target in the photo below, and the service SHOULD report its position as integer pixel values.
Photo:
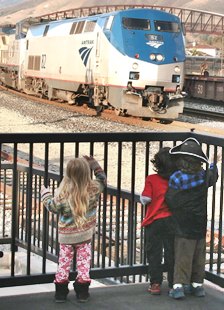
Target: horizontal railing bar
(105, 137)
(96, 137)
(215, 278)
(95, 274)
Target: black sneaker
(198, 291)
(177, 293)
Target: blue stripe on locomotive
(84, 53)
(132, 42)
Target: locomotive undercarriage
(9, 77)
(153, 97)
(95, 96)
(35, 86)
(152, 102)
(157, 102)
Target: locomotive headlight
(135, 66)
(159, 57)
(177, 69)
(152, 56)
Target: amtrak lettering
(85, 42)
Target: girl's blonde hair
(75, 186)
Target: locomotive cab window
(166, 26)
(21, 30)
(136, 23)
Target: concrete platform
(114, 297)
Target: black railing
(28, 234)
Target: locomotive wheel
(99, 109)
(117, 112)
(165, 121)
(146, 118)
(121, 112)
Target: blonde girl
(76, 203)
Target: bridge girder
(195, 21)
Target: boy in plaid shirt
(187, 200)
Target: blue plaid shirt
(181, 180)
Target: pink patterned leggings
(83, 260)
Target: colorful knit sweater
(68, 231)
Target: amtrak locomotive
(131, 60)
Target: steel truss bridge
(195, 21)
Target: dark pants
(189, 260)
(159, 241)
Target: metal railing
(28, 233)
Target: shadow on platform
(116, 297)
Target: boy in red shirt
(158, 222)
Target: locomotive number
(200, 89)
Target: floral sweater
(68, 231)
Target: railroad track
(109, 115)
(204, 108)
(213, 115)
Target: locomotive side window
(46, 30)
(166, 26)
(37, 63)
(80, 27)
(34, 63)
(90, 26)
(136, 23)
(108, 23)
(30, 62)
(74, 25)
(3, 40)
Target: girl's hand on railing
(44, 192)
(92, 162)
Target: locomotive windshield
(136, 23)
(166, 26)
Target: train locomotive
(130, 60)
